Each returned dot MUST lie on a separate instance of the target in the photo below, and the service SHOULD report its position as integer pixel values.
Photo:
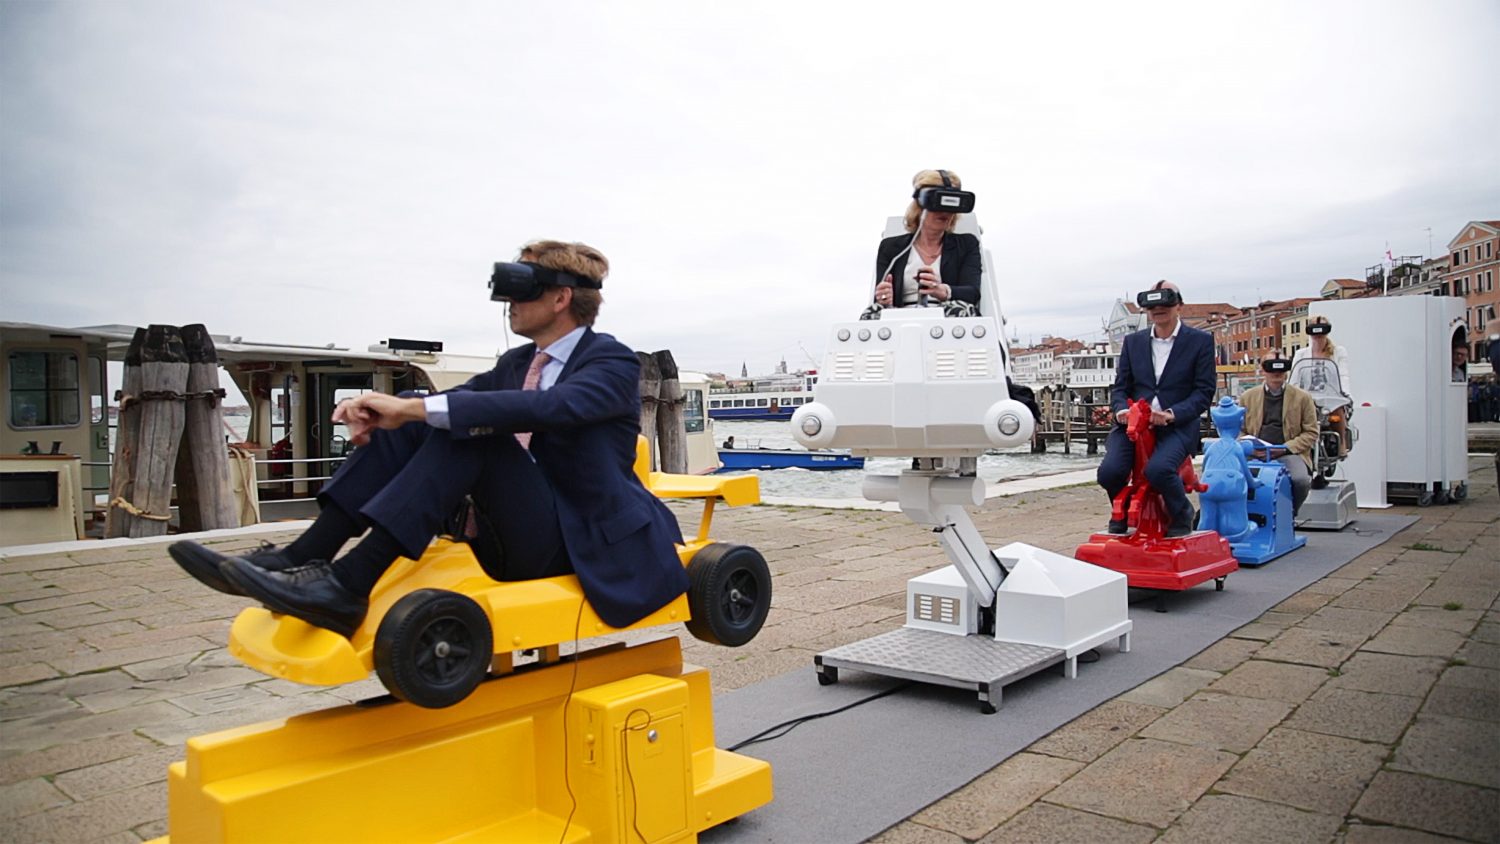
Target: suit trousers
(1173, 445)
(410, 481)
(1296, 472)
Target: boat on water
(57, 443)
(742, 459)
(774, 396)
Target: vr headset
(1276, 365)
(1164, 297)
(523, 281)
(945, 198)
(1318, 329)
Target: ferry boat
(56, 442)
(774, 396)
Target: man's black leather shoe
(310, 593)
(1181, 526)
(204, 563)
(1118, 526)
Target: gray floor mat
(849, 776)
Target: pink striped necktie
(533, 381)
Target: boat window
(739, 402)
(713, 404)
(97, 403)
(760, 402)
(43, 389)
(692, 411)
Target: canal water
(845, 484)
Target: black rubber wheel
(1458, 493)
(729, 594)
(828, 676)
(1424, 498)
(1219, 584)
(433, 647)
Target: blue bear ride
(1249, 502)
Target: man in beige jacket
(1280, 413)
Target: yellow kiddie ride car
(436, 628)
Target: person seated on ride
(1278, 412)
(935, 263)
(1460, 363)
(729, 443)
(1321, 347)
(1171, 365)
(544, 444)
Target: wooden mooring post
(144, 465)
(662, 412)
(671, 432)
(205, 495)
(650, 386)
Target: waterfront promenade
(1361, 709)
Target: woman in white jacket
(1321, 347)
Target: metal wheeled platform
(963, 662)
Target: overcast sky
(347, 172)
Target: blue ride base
(1270, 508)
(1249, 502)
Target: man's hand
(1161, 418)
(369, 411)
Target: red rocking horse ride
(1145, 556)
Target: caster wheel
(729, 594)
(987, 708)
(1424, 498)
(1458, 493)
(828, 676)
(1218, 584)
(433, 647)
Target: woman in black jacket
(936, 264)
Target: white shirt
(1161, 349)
(560, 350)
(909, 285)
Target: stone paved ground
(1358, 710)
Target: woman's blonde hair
(580, 259)
(929, 179)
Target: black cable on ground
(765, 735)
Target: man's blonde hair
(580, 259)
(930, 179)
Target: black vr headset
(945, 198)
(1276, 365)
(1162, 297)
(523, 281)
(1318, 329)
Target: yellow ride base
(628, 756)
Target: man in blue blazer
(1170, 365)
(544, 443)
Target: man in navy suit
(1172, 366)
(544, 444)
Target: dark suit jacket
(960, 269)
(1187, 381)
(620, 537)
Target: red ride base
(1156, 563)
